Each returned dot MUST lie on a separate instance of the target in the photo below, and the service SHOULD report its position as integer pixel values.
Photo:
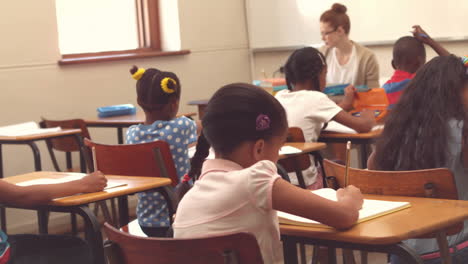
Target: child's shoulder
(263, 168)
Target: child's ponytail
(202, 151)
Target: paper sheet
(24, 129)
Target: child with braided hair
(158, 94)
(309, 109)
(240, 190)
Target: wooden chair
(300, 162)
(433, 183)
(297, 164)
(66, 144)
(152, 159)
(234, 248)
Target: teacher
(348, 62)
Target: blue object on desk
(376, 113)
(337, 89)
(116, 110)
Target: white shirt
(342, 74)
(229, 199)
(308, 110)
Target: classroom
(207, 44)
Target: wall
(270, 61)
(33, 85)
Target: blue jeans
(458, 257)
(48, 249)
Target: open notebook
(370, 209)
(72, 177)
(285, 150)
(25, 129)
(334, 126)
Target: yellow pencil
(93, 151)
(348, 152)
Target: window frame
(149, 39)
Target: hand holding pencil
(349, 193)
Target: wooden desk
(305, 147)
(79, 203)
(30, 141)
(201, 104)
(124, 121)
(385, 233)
(363, 139)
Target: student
(239, 190)
(308, 108)
(158, 94)
(45, 249)
(348, 61)
(427, 129)
(408, 56)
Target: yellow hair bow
(164, 86)
(137, 75)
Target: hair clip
(262, 122)
(137, 75)
(186, 178)
(164, 84)
(464, 60)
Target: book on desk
(334, 126)
(370, 209)
(25, 129)
(71, 177)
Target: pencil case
(338, 89)
(116, 110)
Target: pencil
(348, 151)
(93, 151)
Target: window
(103, 30)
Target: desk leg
(123, 210)
(364, 156)
(93, 233)
(37, 156)
(43, 221)
(289, 250)
(120, 135)
(2, 209)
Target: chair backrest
(302, 161)
(296, 163)
(234, 248)
(151, 159)
(67, 144)
(435, 183)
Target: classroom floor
(373, 258)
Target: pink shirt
(230, 199)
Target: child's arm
(341, 214)
(361, 124)
(422, 36)
(43, 193)
(349, 94)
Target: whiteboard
(292, 23)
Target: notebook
(334, 126)
(370, 210)
(285, 150)
(24, 129)
(72, 177)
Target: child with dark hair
(427, 129)
(308, 108)
(158, 94)
(239, 190)
(409, 55)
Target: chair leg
(115, 214)
(315, 255)
(443, 247)
(302, 253)
(74, 224)
(105, 212)
(348, 256)
(363, 257)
